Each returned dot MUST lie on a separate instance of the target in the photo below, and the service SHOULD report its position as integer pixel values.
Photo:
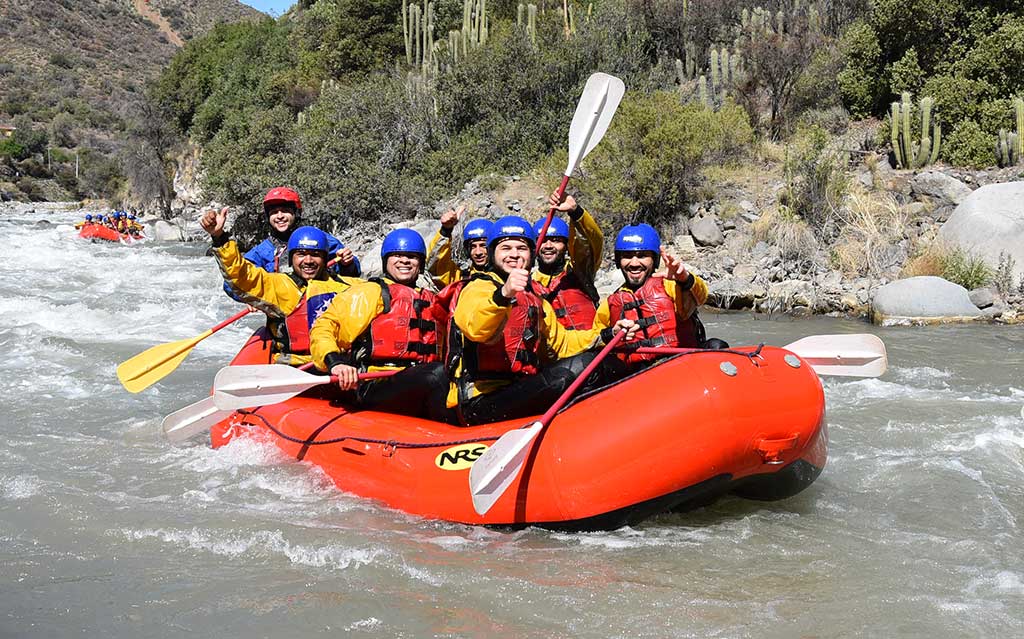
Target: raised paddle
(494, 471)
(237, 387)
(855, 355)
(153, 364)
(601, 96)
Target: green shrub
(816, 180)
(11, 149)
(651, 157)
(905, 74)
(969, 145)
(966, 269)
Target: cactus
(910, 155)
(702, 92)
(531, 22)
(1018, 107)
(1007, 148)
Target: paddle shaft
(582, 377)
(551, 213)
(231, 320)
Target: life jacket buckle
(389, 448)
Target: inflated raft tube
(100, 232)
(674, 437)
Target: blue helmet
(308, 238)
(99, 217)
(639, 237)
(131, 217)
(511, 226)
(403, 241)
(477, 230)
(88, 217)
(557, 228)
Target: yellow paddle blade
(152, 365)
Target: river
(107, 530)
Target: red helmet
(281, 195)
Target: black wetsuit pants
(534, 394)
(406, 392)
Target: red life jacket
(514, 351)
(291, 335)
(405, 333)
(655, 312)
(574, 306)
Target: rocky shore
(756, 258)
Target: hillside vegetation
(72, 74)
(373, 107)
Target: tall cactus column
(911, 155)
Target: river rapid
(107, 530)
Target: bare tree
(148, 157)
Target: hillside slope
(90, 60)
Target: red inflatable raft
(673, 437)
(101, 232)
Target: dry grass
(872, 224)
(930, 261)
(793, 236)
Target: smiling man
(664, 307)
(567, 262)
(282, 296)
(509, 356)
(385, 324)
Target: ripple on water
(20, 487)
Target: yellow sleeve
(347, 317)
(586, 241)
(440, 264)
(603, 317)
(687, 301)
(273, 293)
(561, 341)
(477, 315)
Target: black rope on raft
(391, 443)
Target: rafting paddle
(494, 471)
(153, 364)
(192, 420)
(237, 387)
(597, 105)
(856, 355)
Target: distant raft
(101, 232)
(674, 437)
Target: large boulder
(989, 222)
(705, 231)
(164, 231)
(734, 293)
(370, 261)
(939, 186)
(922, 300)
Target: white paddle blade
(857, 355)
(492, 473)
(237, 387)
(597, 105)
(192, 421)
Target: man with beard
(664, 307)
(384, 324)
(510, 356)
(282, 296)
(567, 262)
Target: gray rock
(745, 272)
(747, 206)
(866, 179)
(729, 225)
(750, 217)
(922, 300)
(983, 297)
(792, 293)
(939, 186)
(990, 222)
(164, 231)
(734, 293)
(705, 231)
(915, 209)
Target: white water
(107, 530)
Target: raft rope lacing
(395, 444)
(390, 443)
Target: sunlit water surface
(107, 530)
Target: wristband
(688, 283)
(333, 359)
(500, 299)
(221, 240)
